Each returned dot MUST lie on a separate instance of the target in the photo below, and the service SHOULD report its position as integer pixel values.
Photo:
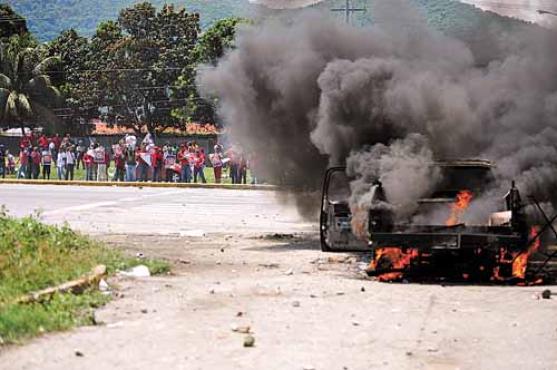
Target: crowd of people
(128, 160)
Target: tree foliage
(26, 90)
(12, 24)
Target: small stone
(289, 272)
(144, 310)
(222, 250)
(312, 296)
(339, 293)
(409, 353)
(355, 323)
(249, 341)
(79, 353)
(212, 291)
(240, 314)
(362, 289)
(296, 304)
(546, 294)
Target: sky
(522, 9)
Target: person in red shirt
(25, 142)
(158, 164)
(183, 158)
(23, 164)
(43, 142)
(35, 163)
(119, 163)
(199, 166)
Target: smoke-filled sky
(306, 92)
(285, 4)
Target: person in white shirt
(70, 163)
(61, 164)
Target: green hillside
(48, 17)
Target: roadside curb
(143, 184)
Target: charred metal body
(480, 252)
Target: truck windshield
(339, 188)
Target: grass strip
(34, 256)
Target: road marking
(94, 205)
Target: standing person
(142, 165)
(216, 161)
(131, 163)
(43, 142)
(23, 163)
(100, 163)
(242, 169)
(232, 165)
(158, 163)
(35, 163)
(70, 163)
(199, 166)
(11, 162)
(183, 158)
(80, 153)
(2, 161)
(119, 162)
(89, 160)
(46, 160)
(61, 163)
(56, 141)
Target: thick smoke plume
(309, 92)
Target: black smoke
(306, 92)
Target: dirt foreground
(305, 309)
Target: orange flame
(397, 259)
(520, 262)
(461, 204)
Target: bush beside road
(34, 256)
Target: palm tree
(26, 92)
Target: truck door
(335, 220)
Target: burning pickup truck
(498, 250)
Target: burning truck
(501, 249)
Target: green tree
(12, 24)
(211, 46)
(137, 62)
(26, 92)
(73, 52)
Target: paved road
(187, 212)
(308, 310)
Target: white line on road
(88, 206)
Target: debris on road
(140, 255)
(249, 341)
(79, 353)
(103, 286)
(246, 329)
(75, 286)
(269, 265)
(289, 272)
(278, 236)
(137, 272)
(546, 294)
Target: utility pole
(348, 10)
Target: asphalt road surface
(186, 212)
(305, 309)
